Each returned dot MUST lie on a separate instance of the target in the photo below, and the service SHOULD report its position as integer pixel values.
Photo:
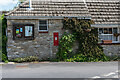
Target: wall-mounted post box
(56, 38)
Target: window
(108, 34)
(43, 25)
(115, 30)
(23, 31)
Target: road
(61, 70)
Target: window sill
(21, 39)
(43, 31)
(109, 43)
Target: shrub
(115, 58)
(26, 59)
(4, 58)
(65, 46)
(83, 58)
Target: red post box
(56, 38)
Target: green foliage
(4, 38)
(0, 39)
(115, 58)
(4, 57)
(26, 59)
(83, 58)
(89, 50)
(65, 46)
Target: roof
(104, 11)
(101, 11)
(52, 8)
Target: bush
(83, 58)
(4, 58)
(115, 58)
(65, 46)
(26, 59)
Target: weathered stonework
(41, 46)
(111, 50)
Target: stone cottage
(35, 27)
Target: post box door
(56, 38)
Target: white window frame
(111, 34)
(39, 25)
(118, 32)
(117, 37)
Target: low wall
(111, 50)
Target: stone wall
(41, 46)
(111, 50)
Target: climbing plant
(4, 38)
(87, 36)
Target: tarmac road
(61, 70)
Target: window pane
(28, 31)
(18, 32)
(105, 30)
(105, 37)
(110, 30)
(101, 37)
(42, 22)
(100, 30)
(110, 37)
(115, 38)
(114, 30)
(42, 27)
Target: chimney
(30, 5)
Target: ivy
(87, 36)
(4, 38)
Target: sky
(7, 4)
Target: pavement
(0, 72)
(61, 70)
